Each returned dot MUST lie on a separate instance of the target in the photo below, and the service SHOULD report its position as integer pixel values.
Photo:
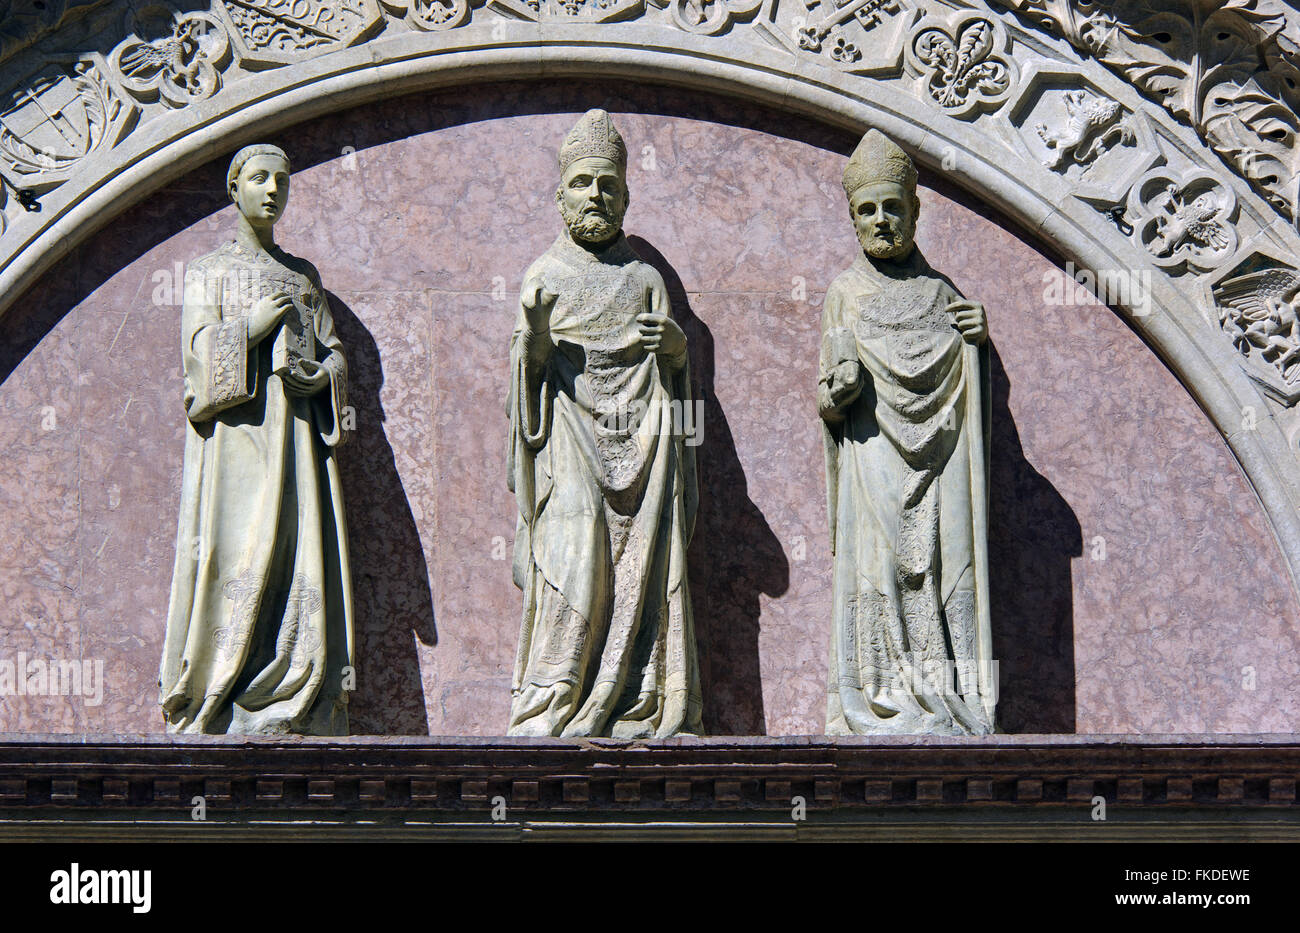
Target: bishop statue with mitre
(903, 395)
(603, 478)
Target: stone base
(998, 788)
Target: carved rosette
(432, 15)
(1184, 222)
(268, 33)
(859, 36)
(66, 111)
(963, 66)
(172, 56)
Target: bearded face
(592, 198)
(884, 216)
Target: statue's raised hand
(265, 314)
(538, 303)
(968, 318)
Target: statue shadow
(391, 597)
(734, 556)
(1033, 534)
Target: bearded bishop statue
(903, 395)
(605, 484)
(259, 630)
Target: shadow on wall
(390, 578)
(735, 556)
(1033, 534)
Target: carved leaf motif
(936, 50)
(961, 66)
(1249, 127)
(975, 43)
(1179, 58)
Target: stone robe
(259, 628)
(906, 476)
(606, 491)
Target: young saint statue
(259, 630)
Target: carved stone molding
(1229, 70)
(63, 787)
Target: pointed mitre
(878, 158)
(593, 135)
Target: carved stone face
(884, 215)
(593, 199)
(261, 191)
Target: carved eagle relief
(1258, 311)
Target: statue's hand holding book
(293, 357)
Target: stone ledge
(73, 787)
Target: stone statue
(605, 485)
(259, 631)
(903, 395)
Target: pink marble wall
(422, 235)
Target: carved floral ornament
(963, 64)
(1229, 70)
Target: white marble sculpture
(903, 396)
(604, 482)
(259, 631)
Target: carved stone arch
(105, 101)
